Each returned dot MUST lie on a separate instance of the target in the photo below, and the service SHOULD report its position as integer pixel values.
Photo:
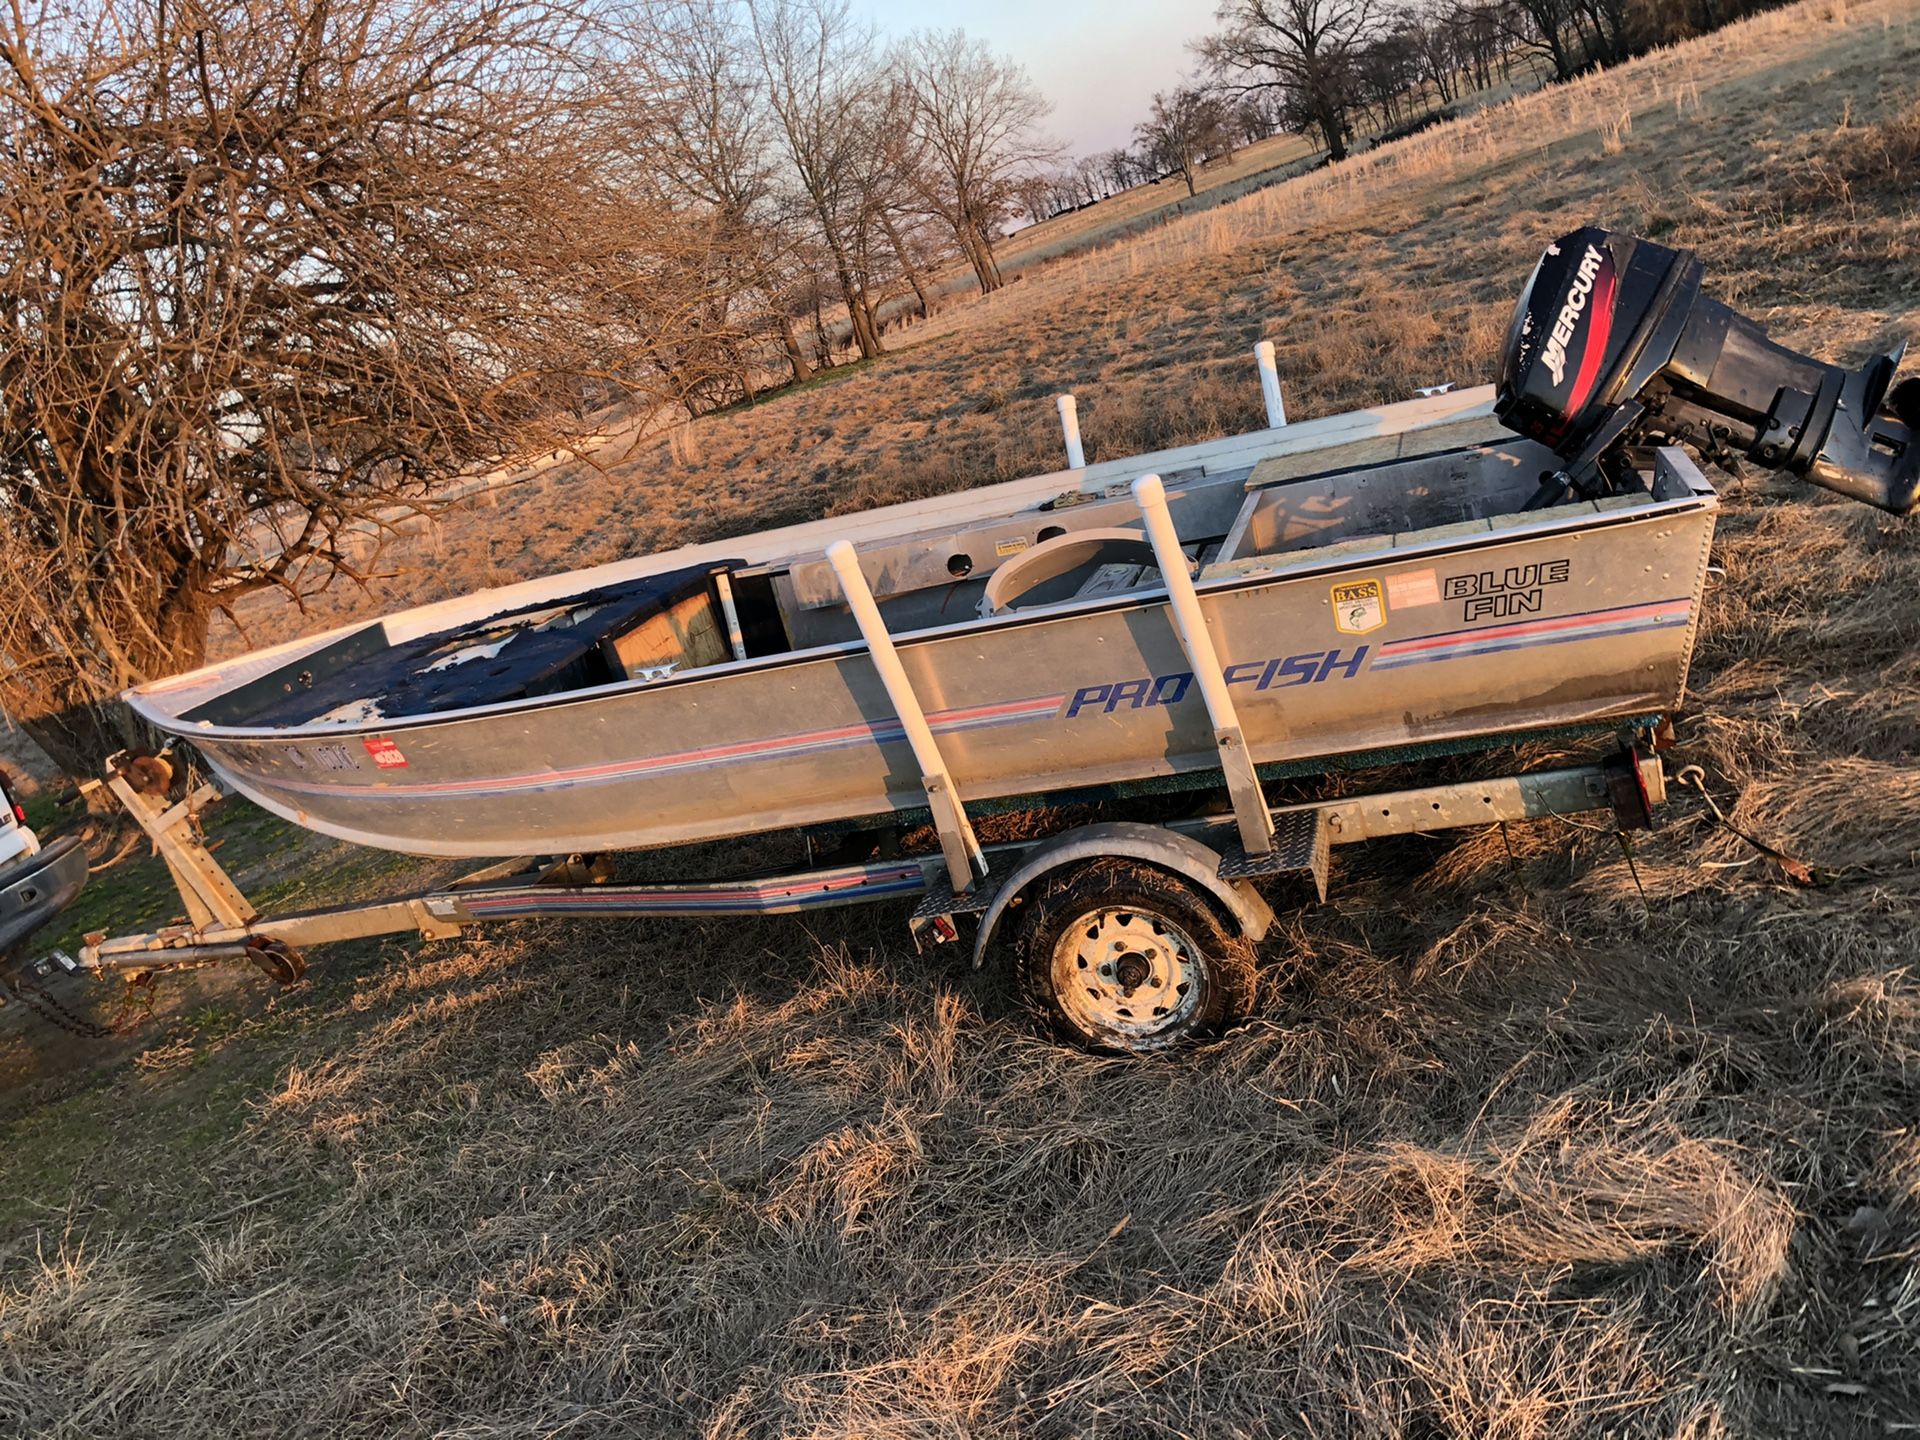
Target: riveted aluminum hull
(1439, 651)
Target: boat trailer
(1202, 856)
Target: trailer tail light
(19, 812)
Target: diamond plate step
(1301, 846)
(940, 900)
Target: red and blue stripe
(1559, 630)
(839, 737)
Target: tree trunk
(979, 252)
(859, 317)
(906, 263)
(822, 341)
(865, 334)
(1186, 174)
(78, 721)
(1334, 131)
(1562, 60)
(796, 357)
(77, 739)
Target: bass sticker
(1359, 606)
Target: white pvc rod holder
(1270, 385)
(957, 841)
(1243, 782)
(1070, 429)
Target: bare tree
(1549, 27)
(1613, 37)
(1080, 180)
(900, 158)
(976, 115)
(1122, 168)
(1254, 117)
(1183, 128)
(1476, 37)
(1304, 48)
(1387, 74)
(702, 120)
(819, 64)
(1038, 194)
(1435, 52)
(266, 268)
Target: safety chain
(1797, 870)
(133, 1012)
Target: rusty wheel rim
(1126, 973)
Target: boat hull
(1578, 620)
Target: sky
(1098, 61)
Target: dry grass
(1528, 1156)
(1531, 1163)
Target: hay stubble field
(1510, 1151)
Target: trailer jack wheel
(1121, 957)
(277, 960)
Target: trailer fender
(1129, 840)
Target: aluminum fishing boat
(1371, 583)
(1458, 568)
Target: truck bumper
(35, 888)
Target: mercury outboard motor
(1613, 345)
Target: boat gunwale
(1305, 568)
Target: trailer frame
(1204, 852)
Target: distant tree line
(1347, 72)
(833, 176)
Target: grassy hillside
(1524, 1142)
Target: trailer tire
(1119, 957)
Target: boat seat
(1122, 561)
(1062, 555)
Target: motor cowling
(1613, 343)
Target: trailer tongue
(1458, 573)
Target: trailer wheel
(1121, 957)
(277, 960)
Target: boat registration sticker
(1359, 606)
(1414, 588)
(385, 753)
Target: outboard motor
(1613, 345)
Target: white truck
(16, 839)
